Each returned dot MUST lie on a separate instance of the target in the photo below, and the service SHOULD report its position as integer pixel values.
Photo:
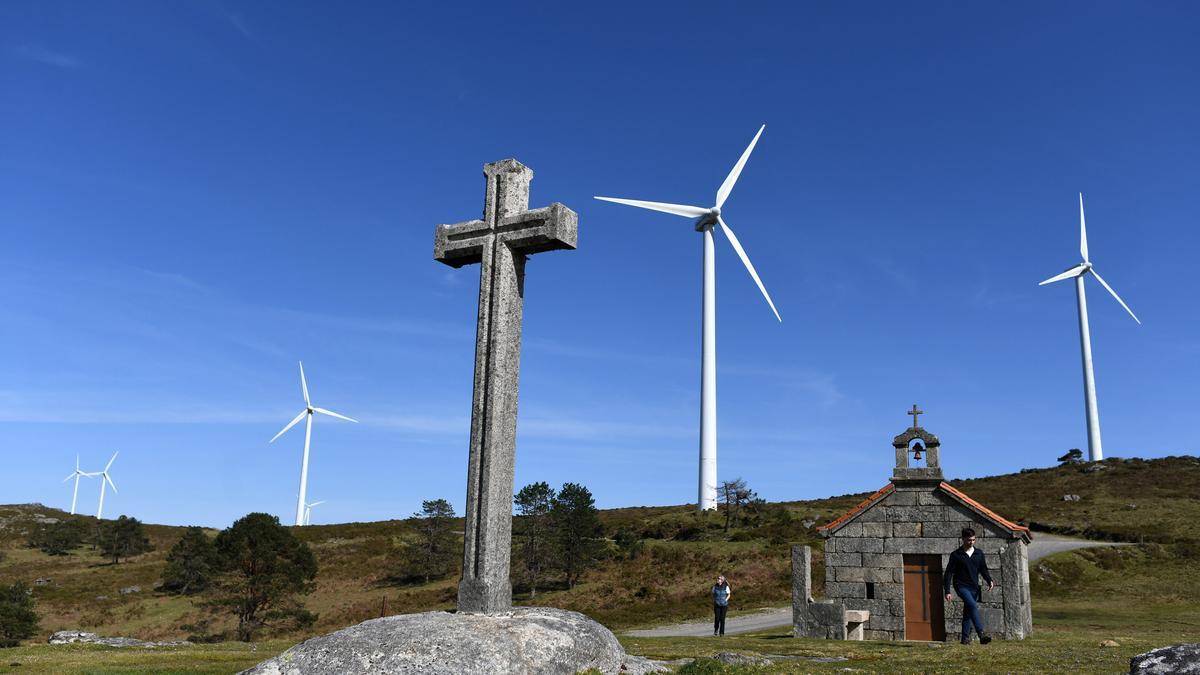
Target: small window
(870, 590)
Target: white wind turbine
(1095, 449)
(308, 412)
(105, 478)
(705, 220)
(308, 511)
(76, 474)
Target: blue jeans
(970, 597)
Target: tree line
(257, 571)
(557, 536)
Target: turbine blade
(114, 458)
(316, 503)
(1114, 294)
(110, 483)
(304, 384)
(1073, 272)
(69, 477)
(737, 246)
(1083, 249)
(731, 179)
(675, 209)
(290, 424)
(333, 414)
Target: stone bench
(856, 620)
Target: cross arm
(461, 243)
(551, 228)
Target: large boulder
(524, 640)
(1183, 659)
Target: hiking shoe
(984, 639)
(965, 641)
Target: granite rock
(523, 640)
(64, 637)
(1182, 659)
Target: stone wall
(920, 519)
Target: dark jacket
(964, 571)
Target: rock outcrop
(524, 640)
(1181, 659)
(64, 637)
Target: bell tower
(925, 443)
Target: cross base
(485, 597)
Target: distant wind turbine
(308, 511)
(308, 412)
(705, 220)
(76, 474)
(105, 478)
(1095, 449)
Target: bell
(917, 448)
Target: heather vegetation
(651, 565)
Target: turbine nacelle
(708, 220)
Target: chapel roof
(954, 493)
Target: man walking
(721, 593)
(963, 570)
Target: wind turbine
(308, 412)
(76, 474)
(308, 511)
(1095, 449)
(705, 219)
(104, 478)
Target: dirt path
(757, 620)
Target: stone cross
(914, 412)
(500, 243)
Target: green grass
(229, 657)
(1066, 638)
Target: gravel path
(765, 619)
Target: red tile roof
(862, 506)
(962, 497)
(950, 490)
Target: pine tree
(533, 532)
(576, 529)
(123, 538)
(432, 554)
(192, 563)
(264, 570)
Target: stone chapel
(884, 558)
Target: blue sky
(195, 195)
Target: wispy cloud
(39, 54)
(822, 385)
(239, 24)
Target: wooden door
(924, 614)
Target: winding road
(766, 619)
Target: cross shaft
(500, 243)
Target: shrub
(18, 620)
(58, 538)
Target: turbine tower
(1095, 448)
(105, 478)
(308, 412)
(308, 511)
(76, 474)
(705, 220)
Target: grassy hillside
(1155, 501)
